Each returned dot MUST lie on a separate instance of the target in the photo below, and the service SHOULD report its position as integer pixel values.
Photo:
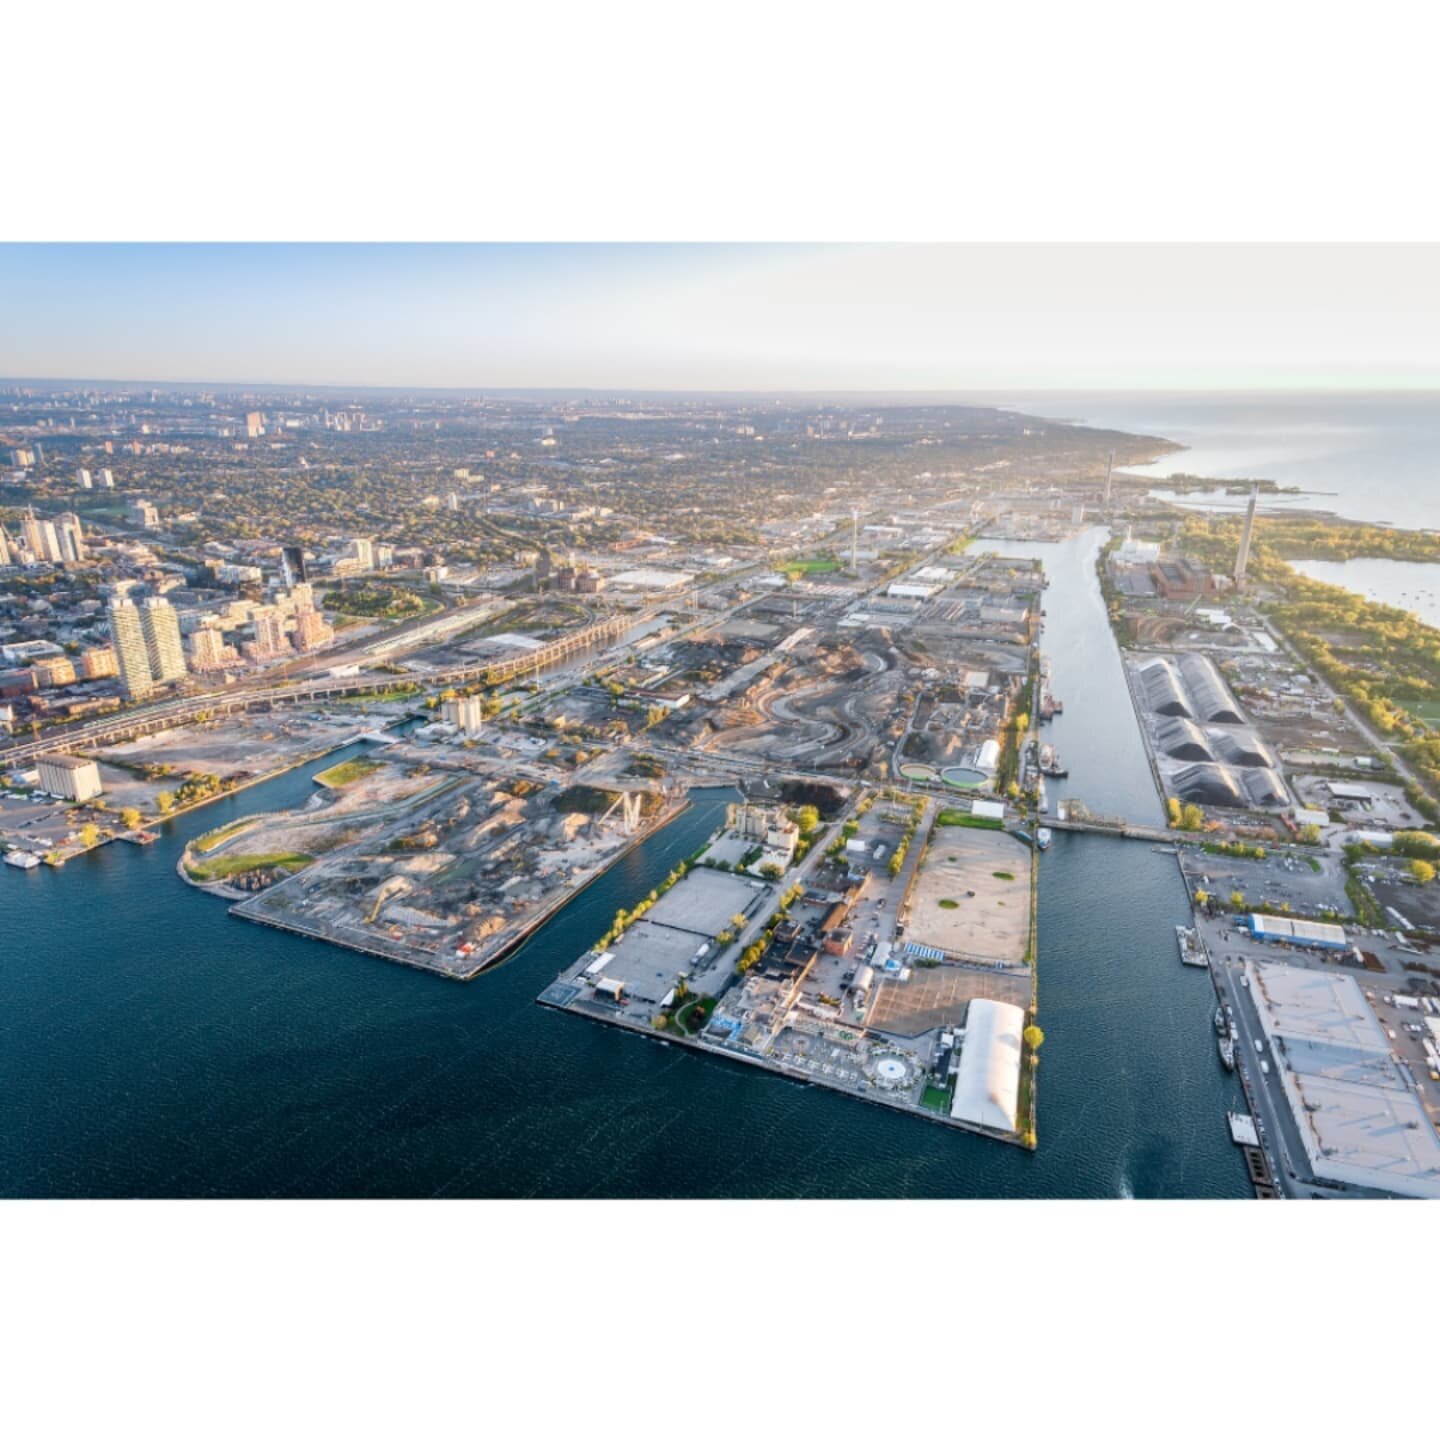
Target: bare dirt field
(972, 895)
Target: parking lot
(1419, 905)
(932, 998)
(37, 825)
(1279, 879)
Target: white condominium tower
(70, 538)
(129, 644)
(162, 640)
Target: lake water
(1401, 583)
(1373, 457)
(152, 1045)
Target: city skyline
(727, 318)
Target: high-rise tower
(130, 652)
(162, 640)
(292, 565)
(70, 538)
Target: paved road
(1383, 747)
(1277, 1131)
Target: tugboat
(1050, 764)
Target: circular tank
(962, 777)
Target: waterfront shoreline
(550, 910)
(760, 1063)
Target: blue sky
(724, 316)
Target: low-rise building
(99, 663)
(1358, 1115)
(987, 1085)
(53, 670)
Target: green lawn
(694, 1015)
(1002, 874)
(975, 822)
(936, 1098)
(379, 697)
(948, 904)
(224, 866)
(346, 772)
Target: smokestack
(1242, 558)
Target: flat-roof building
(1343, 790)
(1311, 933)
(1359, 1118)
(70, 776)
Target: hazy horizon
(933, 320)
(993, 396)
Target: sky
(727, 317)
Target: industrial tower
(1242, 556)
(1109, 466)
(855, 542)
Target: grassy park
(347, 772)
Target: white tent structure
(987, 1087)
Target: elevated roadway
(167, 714)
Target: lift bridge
(630, 800)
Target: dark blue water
(151, 1045)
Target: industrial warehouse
(1312, 934)
(1359, 1119)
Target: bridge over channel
(1125, 830)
